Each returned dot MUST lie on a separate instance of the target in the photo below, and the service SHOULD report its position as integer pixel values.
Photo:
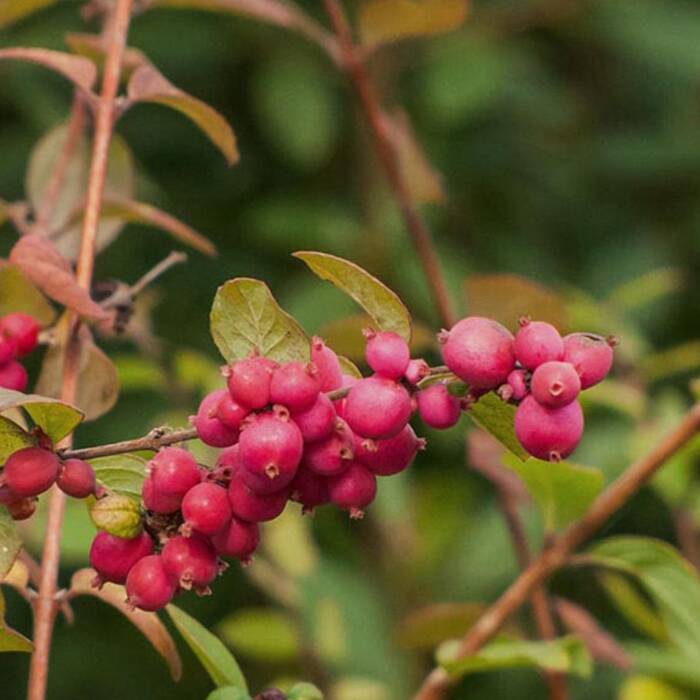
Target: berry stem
(46, 607)
(608, 502)
(352, 63)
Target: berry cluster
(33, 470)
(18, 337)
(537, 369)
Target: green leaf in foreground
(121, 474)
(12, 438)
(497, 417)
(669, 579)
(55, 418)
(213, 655)
(228, 693)
(118, 515)
(564, 655)
(380, 302)
(304, 691)
(245, 317)
(9, 639)
(17, 293)
(10, 542)
(562, 491)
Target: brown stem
(157, 438)
(353, 63)
(609, 502)
(46, 604)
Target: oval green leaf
(10, 542)
(10, 640)
(497, 417)
(12, 438)
(246, 318)
(17, 293)
(121, 474)
(380, 302)
(118, 515)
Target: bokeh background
(566, 134)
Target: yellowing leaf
(14, 10)
(385, 21)
(9, 639)
(12, 438)
(10, 542)
(17, 293)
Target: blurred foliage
(564, 136)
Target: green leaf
(265, 634)
(121, 474)
(56, 418)
(383, 305)
(12, 438)
(17, 293)
(564, 655)
(9, 639)
(497, 417)
(304, 691)
(385, 21)
(147, 84)
(119, 515)
(14, 10)
(670, 580)
(646, 688)
(216, 659)
(562, 490)
(245, 318)
(10, 542)
(229, 692)
(349, 367)
(647, 288)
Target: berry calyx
(555, 384)
(591, 355)
(295, 385)
(437, 407)
(174, 471)
(377, 408)
(479, 351)
(76, 478)
(190, 561)
(23, 329)
(113, 557)
(537, 342)
(30, 471)
(205, 509)
(148, 585)
(387, 353)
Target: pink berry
(537, 342)
(252, 507)
(148, 585)
(23, 328)
(479, 351)
(230, 413)
(13, 376)
(206, 509)
(329, 372)
(295, 385)
(270, 452)
(174, 471)
(416, 370)
(353, 490)
(30, 471)
(249, 381)
(388, 457)
(113, 557)
(309, 489)
(548, 433)
(210, 429)
(555, 384)
(591, 355)
(437, 407)
(317, 422)
(333, 454)
(377, 408)
(387, 353)
(23, 508)
(238, 541)
(516, 386)
(76, 478)
(190, 561)
(156, 501)
(8, 348)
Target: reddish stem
(46, 604)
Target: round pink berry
(416, 370)
(23, 328)
(249, 381)
(516, 388)
(331, 455)
(13, 376)
(537, 342)
(238, 541)
(353, 490)
(437, 407)
(310, 489)
(253, 507)
(113, 557)
(591, 355)
(30, 471)
(76, 478)
(190, 561)
(174, 471)
(230, 413)
(388, 457)
(148, 585)
(206, 509)
(8, 348)
(210, 429)
(377, 408)
(156, 501)
(387, 353)
(295, 385)
(270, 452)
(479, 351)
(555, 384)
(330, 374)
(548, 433)
(317, 422)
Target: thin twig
(353, 64)
(46, 607)
(609, 502)
(175, 258)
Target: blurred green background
(567, 136)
